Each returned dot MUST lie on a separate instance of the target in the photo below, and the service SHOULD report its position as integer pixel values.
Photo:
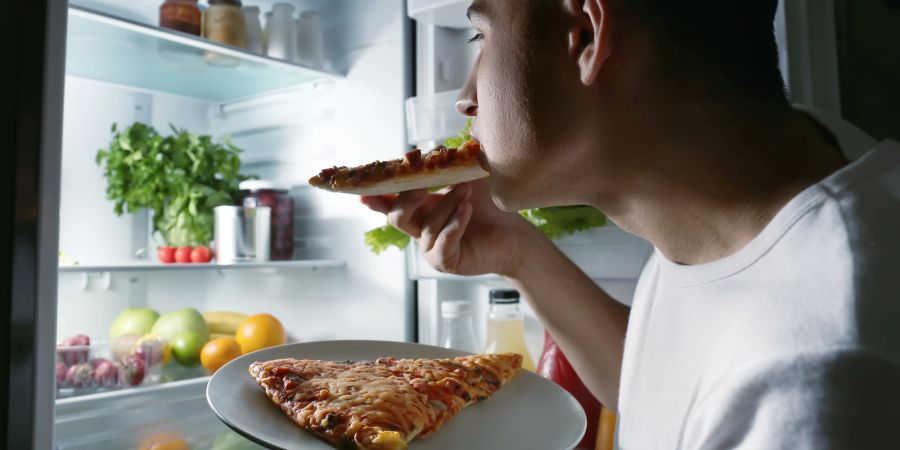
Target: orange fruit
(258, 332)
(164, 441)
(219, 351)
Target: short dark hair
(730, 42)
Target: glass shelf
(119, 51)
(149, 266)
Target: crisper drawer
(176, 413)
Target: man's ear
(590, 36)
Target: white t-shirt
(793, 342)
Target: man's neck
(710, 186)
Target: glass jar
(257, 193)
(180, 15)
(506, 326)
(456, 326)
(224, 23)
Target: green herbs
(181, 178)
(561, 221)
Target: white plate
(529, 412)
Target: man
(767, 316)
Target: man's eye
(478, 37)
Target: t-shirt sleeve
(845, 399)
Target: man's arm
(463, 232)
(585, 321)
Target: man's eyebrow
(475, 10)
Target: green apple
(186, 348)
(133, 322)
(186, 319)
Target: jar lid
(225, 2)
(505, 296)
(263, 185)
(455, 308)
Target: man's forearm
(585, 321)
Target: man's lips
(482, 161)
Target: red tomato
(183, 254)
(166, 254)
(201, 254)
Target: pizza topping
(414, 162)
(382, 404)
(413, 157)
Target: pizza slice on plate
(440, 167)
(381, 404)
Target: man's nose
(466, 106)
(467, 101)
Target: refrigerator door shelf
(123, 419)
(606, 253)
(115, 50)
(433, 118)
(442, 13)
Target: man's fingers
(439, 216)
(378, 203)
(405, 213)
(445, 253)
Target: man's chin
(509, 199)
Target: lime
(186, 347)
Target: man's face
(520, 93)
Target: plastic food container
(99, 366)
(277, 196)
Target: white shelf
(158, 267)
(606, 253)
(115, 50)
(442, 13)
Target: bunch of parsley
(180, 177)
(555, 221)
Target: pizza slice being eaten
(440, 167)
(382, 404)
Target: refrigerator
(388, 83)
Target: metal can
(242, 234)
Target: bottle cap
(454, 308)
(504, 296)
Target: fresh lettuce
(561, 221)
(460, 139)
(382, 238)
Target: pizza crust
(423, 180)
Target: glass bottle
(506, 326)
(456, 326)
(180, 15)
(281, 32)
(225, 23)
(258, 193)
(254, 41)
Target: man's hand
(460, 231)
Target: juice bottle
(506, 326)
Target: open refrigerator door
(290, 117)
